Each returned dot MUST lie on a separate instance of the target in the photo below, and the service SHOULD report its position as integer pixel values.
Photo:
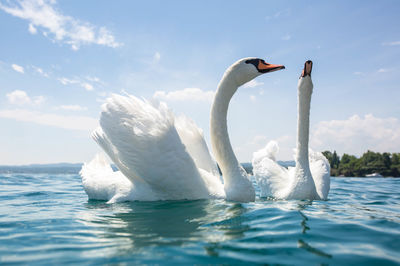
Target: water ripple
(47, 219)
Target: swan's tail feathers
(271, 177)
(141, 139)
(100, 181)
(192, 137)
(320, 170)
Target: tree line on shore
(386, 164)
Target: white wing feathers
(141, 139)
(272, 178)
(275, 180)
(320, 171)
(193, 139)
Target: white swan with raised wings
(161, 157)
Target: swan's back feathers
(320, 171)
(141, 139)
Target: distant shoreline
(74, 168)
(370, 164)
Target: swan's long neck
(219, 129)
(236, 184)
(303, 128)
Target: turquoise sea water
(47, 219)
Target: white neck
(236, 184)
(303, 128)
(303, 186)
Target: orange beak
(265, 67)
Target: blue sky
(59, 60)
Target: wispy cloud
(278, 14)
(156, 56)
(42, 15)
(83, 84)
(61, 121)
(287, 37)
(356, 134)
(383, 70)
(188, 94)
(253, 83)
(32, 29)
(19, 97)
(391, 43)
(40, 71)
(74, 107)
(18, 68)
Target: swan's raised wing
(320, 171)
(193, 139)
(272, 178)
(141, 139)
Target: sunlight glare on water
(48, 219)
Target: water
(47, 219)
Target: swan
(163, 157)
(310, 178)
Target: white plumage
(310, 178)
(161, 157)
(156, 153)
(277, 181)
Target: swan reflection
(130, 226)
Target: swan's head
(246, 69)
(305, 83)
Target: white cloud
(66, 81)
(95, 80)
(252, 98)
(281, 13)
(358, 73)
(383, 70)
(188, 94)
(356, 135)
(18, 68)
(32, 29)
(19, 97)
(87, 86)
(74, 107)
(67, 122)
(157, 56)
(391, 43)
(43, 16)
(287, 37)
(37, 100)
(252, 83)
(83, 84)
(40, 71)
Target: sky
(60, 60)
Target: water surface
(47, 219)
